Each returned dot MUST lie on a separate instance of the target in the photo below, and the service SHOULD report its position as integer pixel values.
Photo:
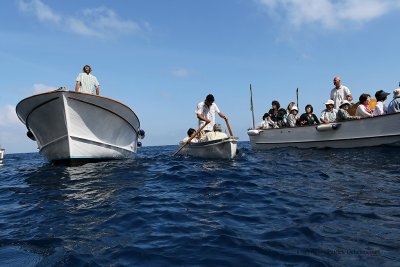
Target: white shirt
(88, 83)
(362, 112)
(329, 116)
(194, 140)
(208, 113)
(380, 109)
(338, 95)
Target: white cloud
(328, 13)
(42, 12)
(41, 88)
(13, 132)
(8, 116)
(180, 72)
(96, 22)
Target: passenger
(87, 82)
(274, 110)
(309, 117)
(289, 107)
(380, 107)
(282, 118)
(267, 123)
(339, 93)
(363, 110)
(394, 105)
(216, 134)
(190, 132)
(293, 117)
(343, 114)
(328, 115)
(205, 112)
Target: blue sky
(163, 57)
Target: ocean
(282, 207)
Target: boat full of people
(374, 131)
(69, 126)
(366, 123)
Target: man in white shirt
(339, 93)
(86, 82)
(190, 132)
(205, 112)
(328, 115)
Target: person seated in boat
(274, 110)
(267, 123)
(281, 118)
(343, 114)
(87, 82)
(308, 118)
(289, 107)
(293, 117)
(363, 111)
(380, 107)
(394, 105)
(190, 132)
(216, 134)
(328, 115)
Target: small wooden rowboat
(215, 149)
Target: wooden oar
(190, 139)
(229, 127)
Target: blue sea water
(282, 207)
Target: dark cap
(380, 95)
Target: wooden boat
(68, 125)
(375, 131)
(2, 151)
(215, 149)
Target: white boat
(2, 151)
(71, 126)
(215, 149)
(375, 131)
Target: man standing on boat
(339, 93)
(206, 113)
(86, 82)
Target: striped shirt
(88, 83)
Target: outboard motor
(139, 144)
(141, 134)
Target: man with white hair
(394, 105)
(339, 93)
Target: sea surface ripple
(282, 207)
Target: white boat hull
(376, 131)
(69, 125)
(216, 149)
(2, 151)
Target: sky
(161, 58)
